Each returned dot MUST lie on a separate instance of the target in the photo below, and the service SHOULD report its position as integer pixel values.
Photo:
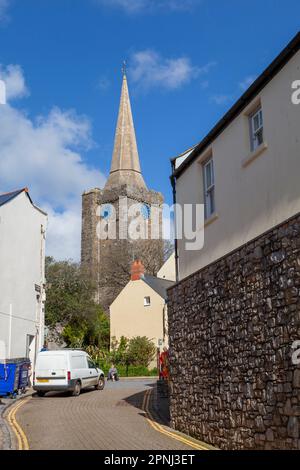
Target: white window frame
(147, 301)
(209, 188)
(256, 134)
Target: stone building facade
(234, 315)
(232, 327)
(108, 259)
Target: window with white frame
(256, 129)
(209, 187)
(147, 301)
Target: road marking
(162, 430)
(12, 420)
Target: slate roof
(7, 197)
(158, 285)
(4, 198)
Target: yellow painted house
(141, 308)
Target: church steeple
(125, 165)
(109, 260)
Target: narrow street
(112, 419)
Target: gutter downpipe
(173, 183)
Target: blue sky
(188, 61)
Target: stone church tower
(108, 259)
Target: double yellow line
(24, 445)
(12, 420)
(164, 431)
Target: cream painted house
(167, 271)
(246, 170)
(141, 309)
(22, 276)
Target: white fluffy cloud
(137, 6)
(14, 80)
(44, 154)
(149, 69)
(64, 232)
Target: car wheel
(40, 394)
(101, 383)
(77, 390)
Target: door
(80, 369)
(51, 369)
(30, 349)
(92, 373)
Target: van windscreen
(53, 361)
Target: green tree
(98, 333)
(118, 350)
(140, 351)
(70, 303)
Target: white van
(66, 370)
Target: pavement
(121, 417)
(6, 434)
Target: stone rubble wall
(232, 326)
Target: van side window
(91, 365)
(78, 362)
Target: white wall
(168, 271)
(252, 199)
(22, 252)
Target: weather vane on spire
(124, 68)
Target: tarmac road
(112, 419)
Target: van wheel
(77, 390)
(101, 383)
(40, 394)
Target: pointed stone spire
(125, 165)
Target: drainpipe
(173, 183)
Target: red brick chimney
(137, 270)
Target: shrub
(104, 359)
(140, 352)
(130, 371)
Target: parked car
(66, 370)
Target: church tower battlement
(109, 260)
